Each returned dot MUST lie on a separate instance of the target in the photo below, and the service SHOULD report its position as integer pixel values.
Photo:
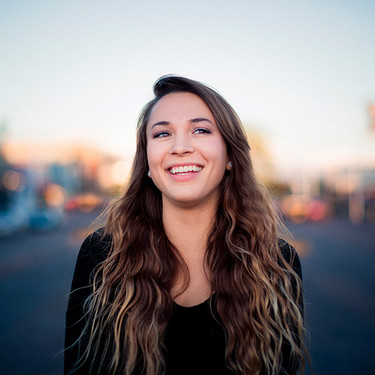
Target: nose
(181, 145)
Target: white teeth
(185, 169)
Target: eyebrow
(201, 119)
(193, 121)
(160, 123)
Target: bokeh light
(54, 195)
(14, 181)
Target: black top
(194, 340)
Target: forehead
(179, 105)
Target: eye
(161, 134)
(201, 131)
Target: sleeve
(289, 365)
(291, 256)
(93, 251)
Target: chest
(195, 342)
(198, 288)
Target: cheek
(154, 156)
(219, 152)
(148, 153)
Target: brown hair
(257, 292)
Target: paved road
(339, 268)
(338, 262)
(35, 275)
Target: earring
(229, 165)
(149, 173)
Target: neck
(188, 228)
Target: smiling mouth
(185, 169)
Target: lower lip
(181, 177)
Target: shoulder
(291, 256)
(96, 246)
(94, 250)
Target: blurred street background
(74, 76)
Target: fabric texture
(194, 340)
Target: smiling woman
(188, 274)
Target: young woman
(188, 274)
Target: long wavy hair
(257, 292)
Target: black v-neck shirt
(194, 339)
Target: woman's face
(186, 153)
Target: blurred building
(352, 192)
(39, 183)
(342, 193)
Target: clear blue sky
(302, 72)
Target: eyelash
(160, 134)
(164, 133)
(202, 131)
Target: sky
(302, 73)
